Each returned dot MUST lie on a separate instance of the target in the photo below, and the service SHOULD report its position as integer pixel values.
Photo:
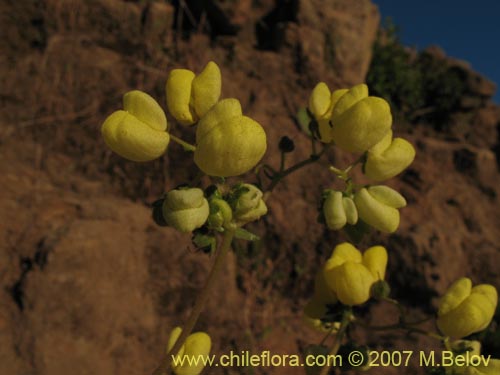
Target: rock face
(91, 286)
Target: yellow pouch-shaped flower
(249, 206)
(190, 97)
(197, 346)
(464, 309)
(360, 121)
(138, 132)
(228, 143)
(351, 275)
(377, 206)
(388, 158)
(185, 209)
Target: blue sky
(468, 30)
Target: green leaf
(303, 119)
(204, 242)
(243, 234)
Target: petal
(224, 110)
(375, 213)
(375, 260)
(145, 108)
(206, 89)
(349, 98)
(178, 88)
(352, 283)
(333, 210)
(455, 295)
(319, 101)
(389, 163)
(351, 212)
(387, 196)
(343, 253)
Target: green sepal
(204, 242)
(357, 231)
(243, 234)
(303, 118)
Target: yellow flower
(190, 97)
(377, 206)
(321, 103)
(190, 356)
(388, 158)
(339, 210)
(185, 209)
(137, 133)
(316, 309)
(359, 121)
(464, 309)
(228, 143)
(351, 275)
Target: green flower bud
(220, 213)
(351, 212)
(185, 209)
(248, 204)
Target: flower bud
(351, 275)
(190, 97)
(333, 210)
(228, 143)
(138, 132)
(220, 213)
(197, 346)
(464, 309)
(351, 212)
(388, 158)
(377, 206)
(185, 209)
(360, 121)
(248, 204)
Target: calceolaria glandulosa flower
(388, 158)
(378, 207)
(190, 97)
(350, 118)
(464, 309)
(351, 274)
(339, 210)
(138, 132)
(192, 356)
(228, 143)
(185, 209)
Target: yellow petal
(387, 196)
(325, 131)
(178, 88)
(383, 145)
(375, 213)
(145, 108)
(343, 253)
(352, 283)
(333, 210)
(389, 163)
(375, 259)
(181, 199)
(362, 125)
(351, 212)
(455, 295)
(319, 101)
(206, 89)
(349, 98)
(197, 346)
(230, 148)
(133, 139)
(223, 111)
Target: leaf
(243, 234)
(303, 119)
(204, 242)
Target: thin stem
(346, 319)
(187, 146)
(200, 302)
(282, 174)
(404, 326)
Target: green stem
(187, 146)
(282, 174)
(346, 319)
(200, 302)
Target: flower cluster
(227, 142)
